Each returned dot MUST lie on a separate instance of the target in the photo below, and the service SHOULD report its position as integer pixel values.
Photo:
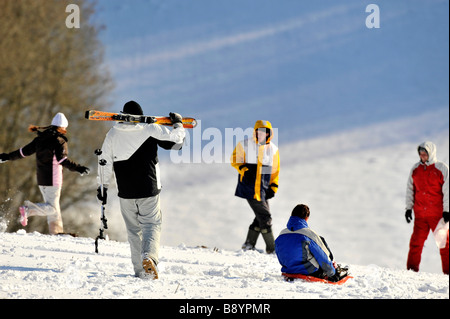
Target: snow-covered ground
(43, 266)
(354, 183)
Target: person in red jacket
(427, 195)
(50, 147)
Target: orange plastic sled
(314, 279)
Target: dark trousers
(263, 219)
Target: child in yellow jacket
(258, 162)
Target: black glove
(408, 215)
(270, 193)
(150, 119)
(4, 157)
(176, 118)
(102, 197)
(445, 216)
(83, 170)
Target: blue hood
(296, 223)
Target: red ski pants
(422, 227)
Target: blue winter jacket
(299, 253)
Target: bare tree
(45, 68)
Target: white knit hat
(60, 120)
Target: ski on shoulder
(93, 115)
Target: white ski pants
(143, 220)
(49, 208)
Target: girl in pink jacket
(50, 147)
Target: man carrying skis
(130, 150)
(257, 161)
(50, 147)
(427, 194)
(301, 251)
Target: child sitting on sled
(301, 251)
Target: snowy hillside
(43, 266)
(350, 103)
(354, 183)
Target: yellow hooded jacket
(258, 166)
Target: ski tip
(189, 122)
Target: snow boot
(269, 240)
(150, 268)
(252, 237)
(341, 272)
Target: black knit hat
(132, 107)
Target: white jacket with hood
(130, 150)
(427, 186)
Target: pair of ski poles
(103, 224)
